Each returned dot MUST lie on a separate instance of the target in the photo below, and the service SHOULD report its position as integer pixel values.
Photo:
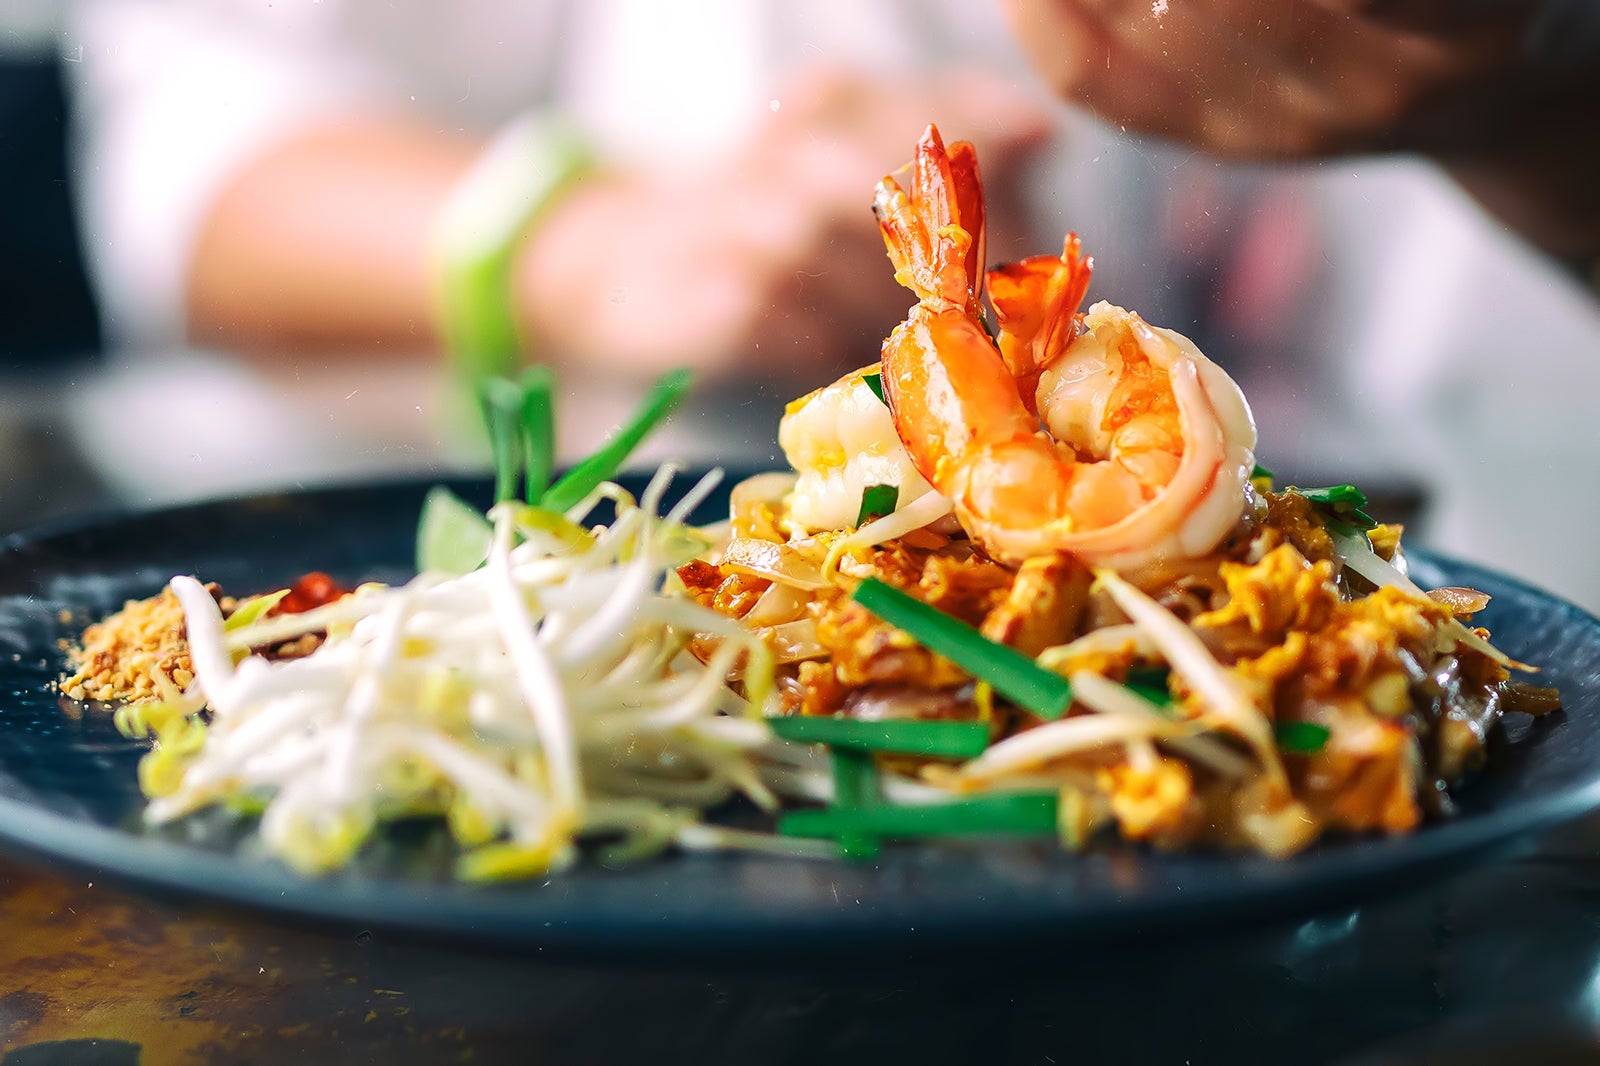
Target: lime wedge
(453, 536)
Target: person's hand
(765, 264)
(1285, 78)
(1504, 92)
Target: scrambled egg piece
(1152, 803)
(1337, 664)
(1362, 639)
(1281, 593)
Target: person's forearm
(323, 241)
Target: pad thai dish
(1025, 576)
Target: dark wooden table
(1498, 964)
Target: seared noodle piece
(1039, 605)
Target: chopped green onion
(855, 778)
(1335, 495)
(1153, 684)
(855, 784)
(1358, 519)
(1343, 502)
(944, 740)
(1013, 675)
(1301, 738)
(1002, 812)
(502, 411)
(874, 381)
(538, 430)
(877, 501)
(452, 536)
(1260, 471)
(663, 399)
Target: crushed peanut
(125, 657)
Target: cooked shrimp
(840, 440)
(1150, 445)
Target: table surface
(1498, 962)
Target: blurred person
(265, 177)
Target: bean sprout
(544, 697)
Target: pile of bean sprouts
(542, 698)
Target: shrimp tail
(1036, 305)
(934, 230)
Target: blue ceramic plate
(68, 791)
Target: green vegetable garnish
(1301, 738)
(663, 399)
(248, 611)
(945, 740)
(452, 536)
(1152, 684)
(502, 413)
(1259, 472)
(1007, 812)
(855, 785)
(1335, 496)
(877, 501)
(538, 430)
(1341, 502)
(1013, 675)
(874, 382)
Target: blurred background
(218, 216)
